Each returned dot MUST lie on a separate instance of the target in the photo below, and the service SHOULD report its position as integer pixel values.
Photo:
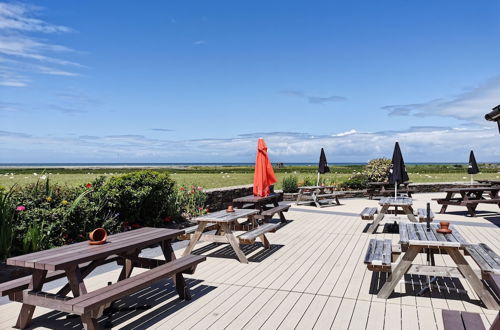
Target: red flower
(136, 225)
(88, 185)
(182, 188)
(167, 219)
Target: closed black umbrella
(472, 168)
(323, 165)
(397, 172)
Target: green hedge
(44, 215)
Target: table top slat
(399, 201)
(64, 257)
(20, 260)
(416, 234)
(227, 217)
(256, 199)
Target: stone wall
(219, 198)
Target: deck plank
(313, 278)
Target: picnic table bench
(268, 205)
(456, 320)
(386, 189)
(321, 196)
(76, 261)
(225, 223)
(404, 203)
(469, 197)
(414, 239)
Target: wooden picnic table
(414, 238)
(405, 203)
(319, 195)
(124, 247)
(470, 197)
(387, 189)
(267, 206)
(224, 223)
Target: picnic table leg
(234, 243)
(448, 197)
(128, 265)
(379, 218)
(315, 200)
(85, 272)
(409, 213)
(471, 209)
(475, 282)
(26, 313)
(75, 281)
(282, 216)
(398, 272)
(90, 323)
(195, 238)
(179, 281)
(299, 196)
(265, 242)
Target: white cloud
(22, 52)
(470, 105)
(419, 144)
(16, 16)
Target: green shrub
(356, 182)
(190, 202)
(377, 170)
(44, 215)
(290, 184)
(144, 198)
(7, 213)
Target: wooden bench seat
(15, 287)
(487, 260)
(91, 305)
(190, 230)
(422, 215)
(379, 255)
(455, 320)
(368, 213)
(268, 214)
(250, 236)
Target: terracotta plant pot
(98, 236)
(230, 208)
(444, 227)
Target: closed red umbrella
(264, 173)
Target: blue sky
(200, 81)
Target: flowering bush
(43, 215)
(377, 170)
(190, 201)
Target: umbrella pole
(471, 179)
(396, 190)
(317, 181)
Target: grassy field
(222, 178)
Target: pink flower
(20, 208)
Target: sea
(131, 164)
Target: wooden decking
(313, 277)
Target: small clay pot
(98, 236)
(230, 209)
(444, 227)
